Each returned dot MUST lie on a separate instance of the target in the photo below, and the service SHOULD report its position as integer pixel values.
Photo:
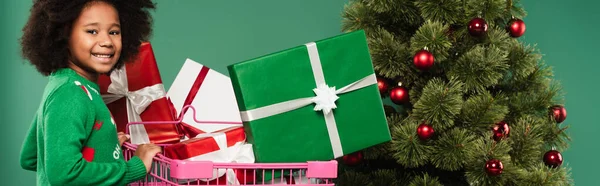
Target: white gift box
(214, 100)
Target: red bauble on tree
(494, 167)
(516, 28)
(501, 130)
(382, 84)
(477, 27)
(425, 131)
(353, 159)
(423, 60)
(399, 95)
(553, 158)
(559, 113)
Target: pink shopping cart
(167, 172)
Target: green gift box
(314, 102)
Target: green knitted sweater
(73, 138)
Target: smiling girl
(72, 139)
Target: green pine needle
(440, 103)
(527, 137)
(452, 149)
(357, 16)
(440, 10)
(425, 180)
(498, 37)
(480, 68)
(543, 175)
(384, 177)
(490, 10)
(432, 35)
(409, 150)
(389, 56)
(481, 111)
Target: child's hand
(146, 152)
(122, 138)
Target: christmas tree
(474, 105)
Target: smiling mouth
(103, 55)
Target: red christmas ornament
(501, 130)
(425, 131)
(553, 158)
(399, 95)
(494, 167)
(559, 113)
(382, 84)
(423, 60)
(353, 159)
(516, 28)
(477, 27)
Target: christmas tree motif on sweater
(84, 89)
(98, 125)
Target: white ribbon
(241, 152)
(325, 100)
(137, 102)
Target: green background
(219, 33)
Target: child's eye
(92, 31)
(114, 32)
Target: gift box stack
(313, 102)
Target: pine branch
(542, 175)
(396, 11)
(522, 60)
(445, 11)
(433, 36)
(489, 10)
(533, 102)
(485, 150)
(499, 38)
(516, 9)
(389, 56)
(482, 111)
(409, 150)
(538, 79)
(382, 5)
(440, 103)
(556, 136)
(480, 68)
(527, 137)
(425, 180)
(452, 149)
(384, 177)
(357, 16)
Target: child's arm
(68, 111)
(28, 157)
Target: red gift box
(135, 93)
(225, 146)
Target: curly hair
(46, 34)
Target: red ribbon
(185, 128)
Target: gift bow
(240, 152)
(137, 101)
(324, 100)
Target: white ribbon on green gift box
(240, 152)
(137, 102)
(324, 100)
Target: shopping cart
(167, 172)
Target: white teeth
(102, 55)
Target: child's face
(95, 42)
